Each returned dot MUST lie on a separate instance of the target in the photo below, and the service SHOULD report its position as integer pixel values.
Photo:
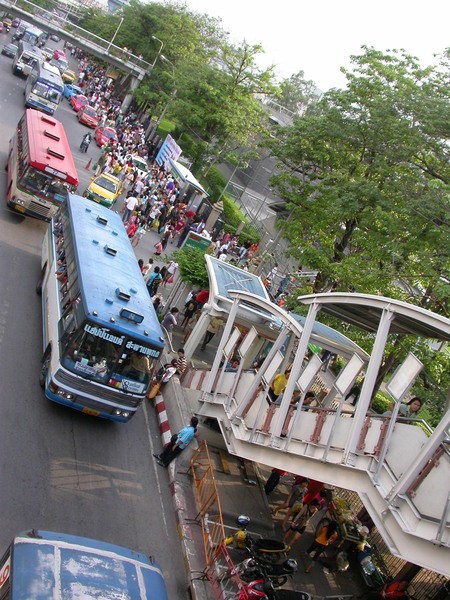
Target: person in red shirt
(201, 298)
(391, 591)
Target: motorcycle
(264, 549)
(85, 143)
(250, 570)
(263, 589)
(6, 28)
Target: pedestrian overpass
(400, 470)
(134, 67)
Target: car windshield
(88, 110)
(104, 355)
(109, 134)
(107, 184)
(139, 163)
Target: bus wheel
(44, 369)
(40, 280)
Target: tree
(298, 94)
(366, 178)
(192, 267)
(367, 181)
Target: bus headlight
(66, 395)
(121, 413)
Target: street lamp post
(174, 91)
(115, 34)
(158, 53)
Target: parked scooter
(265, 549)
(85, 142)
(251, 569)
(264, 590)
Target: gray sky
(319, 36)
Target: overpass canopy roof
(224, 278)
(364, 311)
(181, 172)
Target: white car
(139, 163)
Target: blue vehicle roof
(103, 274)
(66, 567)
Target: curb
(163, 421)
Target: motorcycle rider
(85, 142)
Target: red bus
(41, 170)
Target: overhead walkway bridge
(400, 470)
(133, 67)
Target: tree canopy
(366, 179)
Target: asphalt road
(61, 470)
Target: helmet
(291, 564)
(243, 520)
(364, 531)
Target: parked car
(68, 76)
(70, 89)
(76, 102)
(55, 38)
(7, 22)
(104, 135)
(16, 22)
(88, 116)
(47, 53)
(104, 189)
(9, 50)
(1, 26)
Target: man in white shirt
(130, 205)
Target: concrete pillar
(135, 81)
(215, 213)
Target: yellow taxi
(68, 76)
(104, 189)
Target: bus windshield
(101, 354)
(46, 91)
(46, 186)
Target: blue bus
(102, 337)
(43, 564)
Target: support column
(373, 367)
(295, 371)
(135, 81)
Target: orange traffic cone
(88, 166)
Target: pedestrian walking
(300, 522)
(214, 327)
(178, 443)
(273, 480)
(326, 536)
(130, 204)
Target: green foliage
(233, 217)
(215, 182)
(192, 267)
(165, 127)
(380, 403)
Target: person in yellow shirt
(326, 536)
(278, 385)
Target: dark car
(9, 50)
(16, 22)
